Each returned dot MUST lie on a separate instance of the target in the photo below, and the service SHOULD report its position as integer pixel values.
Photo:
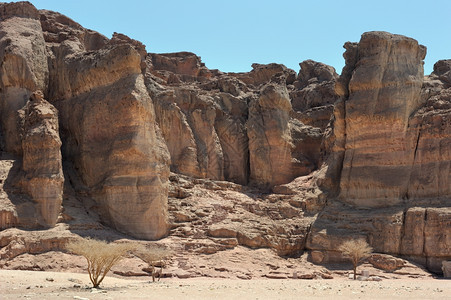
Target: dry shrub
(101, 256)
(155, 256)
(356, 251)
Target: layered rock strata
(384, 91)
(272, 158)
(392, 132)
(109, 127)
(107, 118)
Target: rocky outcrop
(314, 95)
(112, 139)
(272, 159)
(446, 269)
(237, 127)
(23, 68)
(199, 154)
(41, 159)
(269, 135)
(430, 127)
(387, 133)
(107, 119)
(386, 262)
(262, 74)
(384, 91)
(212, 216)
(178, 67)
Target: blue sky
(231, 35)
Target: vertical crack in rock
(414, 159)
(424, 234)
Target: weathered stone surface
(437, 233)
(317, 257)
(442, 69)
(384, 91)
(42, 163)
(112, 141)
(332, 152)
(59, 29)
(109, 127)
(178, 137)
(208, 122)
(24, 65)
(412, 242)
(270, 143)
(389, 129)
(430, 175)
(218, 218)
(386, 262)
(446, 269)
(200, 153)
(230, 125)
(377, 137)
(262, 74)
(185, 65)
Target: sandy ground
(59, 285)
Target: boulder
(386, 262)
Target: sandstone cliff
(269, 158)
(395, 170)
(106, 116)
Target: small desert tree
(356, 251)
(155, 256)
(101, 256)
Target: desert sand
(60, 285)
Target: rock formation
(41, 157)
(106, 116)
(263, 159)
(24, 65)
(238, 126)
(395, 149)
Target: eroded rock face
(314, 96)
(111, 137)
(107, 119)
(269, 135)
(387, 133)
(386, 262)
(364, 154)
(42, 163)
(277, 144)
(213, 216)
(430, 175)
(24, 65)
(237, 127)
(384, 91)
